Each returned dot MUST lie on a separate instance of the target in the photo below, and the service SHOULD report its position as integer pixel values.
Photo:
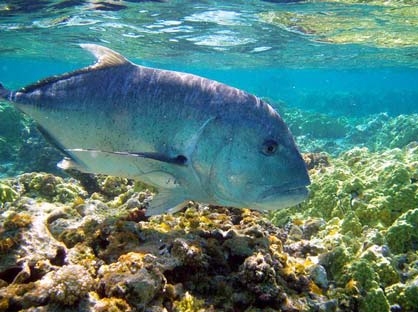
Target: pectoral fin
(180, 160)
(166, 202)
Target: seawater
(338, 59)
(345, 91)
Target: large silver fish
(191, 137)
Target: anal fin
(69, 164)
(166, 202)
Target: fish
(190, 137)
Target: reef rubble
(85, 244)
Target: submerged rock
(67, 285)
(135, 277)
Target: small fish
(192, 138)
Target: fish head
(260, 167)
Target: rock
(258, 275)
(319, 275)
(134, 278)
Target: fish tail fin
(4, 93)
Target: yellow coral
(276, 245)
(6, 244)
(4, 304)
(7, 194)
(17, 220)
(352, 287)
(189, 303)
(109, 304)
(298, 221)
(78, 201)
(314, 288)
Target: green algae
(376, 187)
(390, 27)
(369, 204)
(375, 300)
(351, 225)
(370, 189)
(189, 303)
(334, 261)
(49, 187)
(405, 294)
(7, 193)
(402, 235)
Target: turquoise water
(335, 60)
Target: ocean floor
(85, 244)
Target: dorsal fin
(105, 57)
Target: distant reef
(390, 27)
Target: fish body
(192, 138)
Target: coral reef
(97, 252)
(85, 244)
(397, 132)
(319, 133)
(394, 3)
(337, 26)
(316, 125)
(22, 148)
(361, 216)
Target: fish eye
(269, 147)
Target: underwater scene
(79, 236)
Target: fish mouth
(282, 196)
(280, 191)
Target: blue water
(353, 92)
(335, 59)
